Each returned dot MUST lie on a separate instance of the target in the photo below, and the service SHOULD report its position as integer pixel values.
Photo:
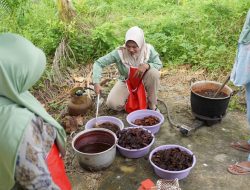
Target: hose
(173, 124)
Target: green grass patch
(201, 33)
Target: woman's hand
(97, 88)
(141, 69)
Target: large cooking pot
(209, 108)
(95, 148)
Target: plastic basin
(166, 174)
(102, 119)
(135, 153)
(140, 114)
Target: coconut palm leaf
(11, 6)
(5, 6)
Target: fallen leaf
(78, 79)
(79, 120)
(70, 124)
(199, 72)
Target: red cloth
(146, 185)
(137, 99)
(57, 170)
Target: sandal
(241, 168)
(241, 145)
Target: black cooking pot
(209, 108)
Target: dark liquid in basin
(94, 148)
(210, 93)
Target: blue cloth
(248, 101)
(240, 74)
(248, 109)
(245, 34)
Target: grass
(202, 34)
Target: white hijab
(135, 34)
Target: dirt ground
(175, 92)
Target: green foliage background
(202, 33)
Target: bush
(201, 33)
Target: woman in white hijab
(134, 53)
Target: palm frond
(5, 6)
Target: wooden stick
(222, 86)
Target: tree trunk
(66, 10)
